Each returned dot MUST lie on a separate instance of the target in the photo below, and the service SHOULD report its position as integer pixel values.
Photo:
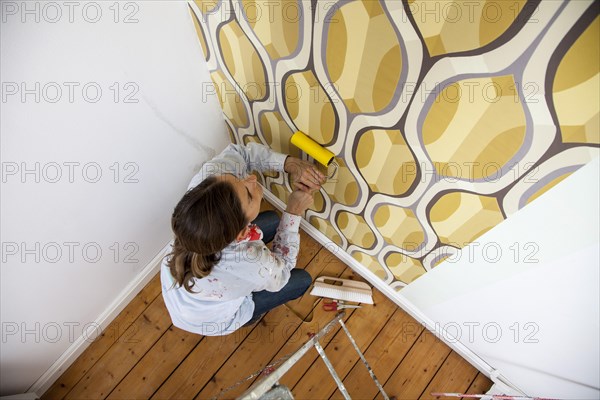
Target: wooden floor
(141, 355)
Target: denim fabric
(299, 282)
(264, 301)
(267, 221)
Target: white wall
(146, 151)
(525, 297)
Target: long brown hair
(205, 221)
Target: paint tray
(342, 289)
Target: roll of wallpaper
(312, 148)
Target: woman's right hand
(298, 202)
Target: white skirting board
(500, 382)
(112, 311)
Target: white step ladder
(269, 389)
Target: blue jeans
(299, 282)
(267, 221)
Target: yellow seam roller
(315, 150)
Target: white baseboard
(111, 312)
(23, 396)
(401, 301)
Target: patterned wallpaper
(445, 116)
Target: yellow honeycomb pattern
(445, 117)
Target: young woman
(219, 274)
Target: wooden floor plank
(323, 263)
(265, 205)
(480, 385)
(309, 248)
(200, 365)
(384, 354)
(275, 329)
(455, 375)
(156, 365)
(123, 355)
(364, 327)
(417, 369)
(113, 333)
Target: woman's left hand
(304, 174)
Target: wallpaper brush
(342, 289)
